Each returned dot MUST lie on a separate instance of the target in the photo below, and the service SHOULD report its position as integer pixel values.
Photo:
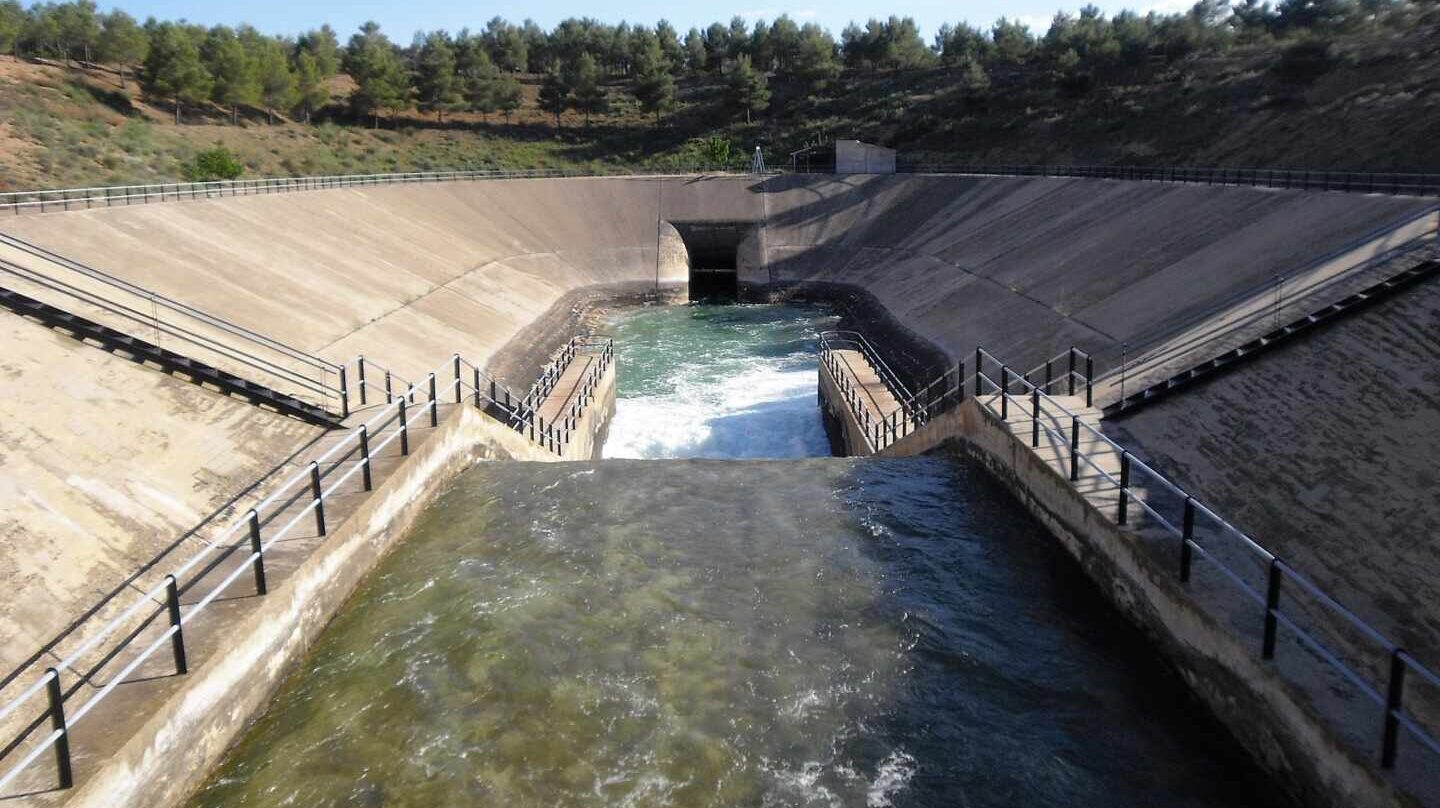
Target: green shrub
(213, 164)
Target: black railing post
(261, 587)
(57, 723)
(978, 374)
(1072, 370)
(1187, 535)
(404, 430)
(389, 397)
(177, 639)
(1035, 418)
(365, 457)
(1394, 698)
(318, 497)
(360, 370)
(344, 395)
(456, 363)
(434, 405)
(1272, 607)
(1124, 510)
(1089, 381)
(1004, 393)
(1074, 448)
(476, 385)
(1049, 374)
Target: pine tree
(482, 82)
(232, 71)
(508, 95)
(748, 88)
(12, 23)
(383, 84)
(589, 96)
(311, 92)
(435, 74)
(173, 68)
(278, 86)
(554, 96)
(122, 42)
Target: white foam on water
(895, 773)
(764, 411)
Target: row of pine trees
(189, 65)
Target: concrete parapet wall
(189, 734)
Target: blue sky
(401, 19)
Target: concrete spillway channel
(780, 627)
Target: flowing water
(718, 381)
(690, 632)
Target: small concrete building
(854, 157)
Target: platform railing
(66, 199)
(151, 316)
(1392, 183)
(397, 415)
(883, 428)
(1252, 572)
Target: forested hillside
(88, 98)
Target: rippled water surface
(718, 381)
(816, 632)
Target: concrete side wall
(104, 463)
(1030, 266)
(188, 735)
(1325, 449)
(1265, 714)
(402, 274)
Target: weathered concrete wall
(402, 274)
(1326, 450)
(1029, 266)
(104, 463)
(188, 735)
(1265, 714)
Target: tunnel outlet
(712, 256)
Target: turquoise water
(718, 381)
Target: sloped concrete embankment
(1029, 266)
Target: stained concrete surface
(1325, 451)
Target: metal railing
(944, 393)
(250, 532)
(883, 428)
(1286, 289)
(1285, 597)
(65, 199)
(1393, 183)
(151, 316)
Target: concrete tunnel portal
(712, 251)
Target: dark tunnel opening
(713, 254)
